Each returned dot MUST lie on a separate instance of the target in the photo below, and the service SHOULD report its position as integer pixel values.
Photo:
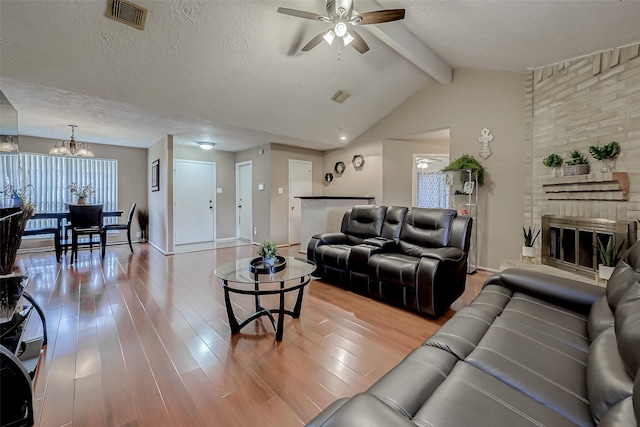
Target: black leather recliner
(416, 259)
(531, 349)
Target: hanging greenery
(468, 162)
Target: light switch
(280, 190)
(219, 190)
(261, 187)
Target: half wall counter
(323, 214)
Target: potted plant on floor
(142, 215)
(530, 236)
(606, 154)
(554, 162)
(609, 257)
(576, 165)
(269, 252)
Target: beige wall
(132, 173)
(160, 202)
(398, 167)
(280, 156)
(225, 179)
(576, 104)
(475, 100)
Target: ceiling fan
(343, 19)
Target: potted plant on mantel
(609, 257)
(554, 162)
(530, 236)
(576, 165)
(606, 154)
(269, 252)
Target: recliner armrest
(565, 292)
(359, 259)
(381, 242)
(331, 238)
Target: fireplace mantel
(594, 186)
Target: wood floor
(142, 340)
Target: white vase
(605, 272)
(529, 251)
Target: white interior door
(299, 185)
(194, 205)
(244, 197)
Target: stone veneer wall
(586, 101)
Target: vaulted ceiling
(231, 72)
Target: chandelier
(71, 147)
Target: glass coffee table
(248, 278)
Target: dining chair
(127, 226)
(86, 220)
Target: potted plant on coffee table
(609, 257)
(269, 252)
(530, 235)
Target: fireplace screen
(570, 243)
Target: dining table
(62, 220)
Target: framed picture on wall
(155, 175)
(468, 187)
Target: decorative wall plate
(328, 177)
(339, 168)
(358, 161)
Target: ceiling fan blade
(314, 42)
(378, 17)
(358, 43)
(302, 14)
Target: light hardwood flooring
(143, 340)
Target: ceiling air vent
(127, 13)
(340, 96)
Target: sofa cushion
(608, 381)
(335, 256)
(471, 397)
(393, 220)
(627, 326)
(409, 384)
(396, 268)
(363, 221)
(620, 415)
(600, 318)
(626, 274)
(425, 228)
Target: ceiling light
(71, 148)
(343, 138)
(329, 37)
(7, 146)
(206, 145)
(348, 38)
(340, 29)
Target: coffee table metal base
(262, 311)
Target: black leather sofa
(412, 257)
(531, 349)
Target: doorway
(299, 185)
(244, 197)
(194, 211)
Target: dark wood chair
(86, 220)
(126, 226)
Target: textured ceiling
(231, 72)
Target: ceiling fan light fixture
(340, 29)
(348, 38)
(329, 37)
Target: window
(433, 191)
(46, 178)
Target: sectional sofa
(412, 257)
(531, 349)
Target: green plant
(609, 256)
(530, 235)
(468, 162)
(142, 215)
(552, 161)
(577, 158)
(268, 250)
(81, 192)
(608, 151)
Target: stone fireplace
(570, 243)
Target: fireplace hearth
(570, 243)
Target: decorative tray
(258, 266)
